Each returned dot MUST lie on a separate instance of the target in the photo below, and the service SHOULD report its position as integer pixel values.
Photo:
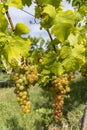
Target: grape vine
(56, 59)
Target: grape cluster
(60, 86)
(23, 77)
(84, 70)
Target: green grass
(3, 76)
(11, 117)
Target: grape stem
(10, 21)
(9, 17)
(49, 34)
(51, 39)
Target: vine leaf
(26, 2)
(65, 52)
(73, 39)
(18, 3)
(51, 63)
(70, 64)
(50, 10)
(49, 58)
(15, 3)
(56, 68)
(75, 59)
(83, 10)
(63, 21)
(21, 29)
(16, 48)
(3, 23)
(51, 2)
(79, 52)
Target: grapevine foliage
(55, 59)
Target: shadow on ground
(78, 94)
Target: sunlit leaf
(71, 64)
(63, 21)
(3, 23)
(65, 52)
(51, 2)
(50, 10)
(83, 10)
(15, 3)
(49, 58)
(73, 39)
(21, 29)
(16, 48)
(75, 59)
(56, 68)
(26, 2)
(79, 52)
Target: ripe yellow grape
(19, 81)
(60, 86)
(20, 94)
(22, 78)
(21, 87)
(67, 89)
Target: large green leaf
(6, 64)
(56, 68)
(83, 10)
(16, 48)
(51, 63)
(65, 52)
(49, 58)
(65, 17)
(79, 52)
(15, 3)
(55, 3)
(27, 2)
(79, 3)
(71, 64)
(19, 3)
(47, 22)
(60, 31)
(3, 23)
(73, 39)
(3, 40)
(50, 10)
(3, 8)
(63, 23)
(45, 72)
(21, 29)
(75, 59)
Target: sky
(18, 15)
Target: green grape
(60, 86)
(23, 77)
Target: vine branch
(27, 12)
(10, 21)
(51, 39)
(49, 34)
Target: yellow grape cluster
(84, 70)
(60, 86)
(23, 76)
